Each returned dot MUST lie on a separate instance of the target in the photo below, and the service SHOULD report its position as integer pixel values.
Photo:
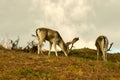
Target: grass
(81, 64)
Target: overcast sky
(86, 19)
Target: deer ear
(75, 39)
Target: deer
(101, 44)
(53, 37)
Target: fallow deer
(102, 46)
(53, 37)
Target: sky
(86, 19)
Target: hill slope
(81, 64)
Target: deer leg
(50, 49)
(106, 56)
(65, 53)
(103, 55)
(54, 44)
(63, 49)
(98, 54)
(39, 46)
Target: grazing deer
(54, 39)
(102, 46)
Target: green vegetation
(81, 64)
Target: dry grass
(81, 64)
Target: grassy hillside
(81, 64)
